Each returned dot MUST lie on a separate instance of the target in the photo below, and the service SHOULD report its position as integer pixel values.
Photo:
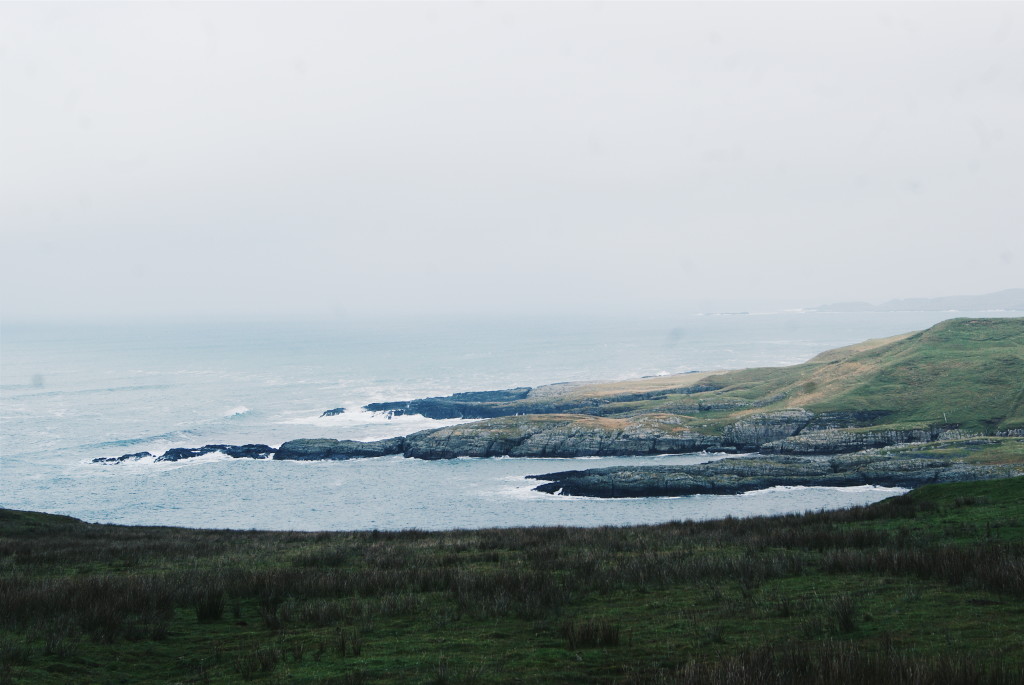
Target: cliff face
(559, 436)
(838, 441)
(326, 448)
(755, 430)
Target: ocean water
(69, 394)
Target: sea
(72, 393)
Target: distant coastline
(1011, 300)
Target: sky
(329, 160)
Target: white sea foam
(151, 461)
(236, 411)
(208, 458)
(516, 487)
(144, 461)
(367, 425)
(850, 488)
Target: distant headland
(950, 385)
(1011, 300)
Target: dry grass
(603, 390)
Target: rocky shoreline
(907, 467)
(571, 435)
(958, 379)
(735, 475)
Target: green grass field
(924, 588)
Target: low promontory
(907, 467)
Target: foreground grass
(924, 588)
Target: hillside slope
(962, 373)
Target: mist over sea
(69, 394)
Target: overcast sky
(328, 160)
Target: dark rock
(510, 395)
(462, 405)
(308, 449)
(737, 475)
(251, 451)
(179, 453)
(333, 412)
(123, 458)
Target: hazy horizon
(335, 161)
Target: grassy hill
(924, 588)
(966, 373)
(963, 372)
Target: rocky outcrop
(252, 451)
(308, 449)
(301, 450)
(234, 451)
(778, 432)
(732, 476)
(135, 456)
(560, 436)
(558, 398)
(462, 405)
(333, 412)
(750, 432)
(839, 441)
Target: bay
(71, 393)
